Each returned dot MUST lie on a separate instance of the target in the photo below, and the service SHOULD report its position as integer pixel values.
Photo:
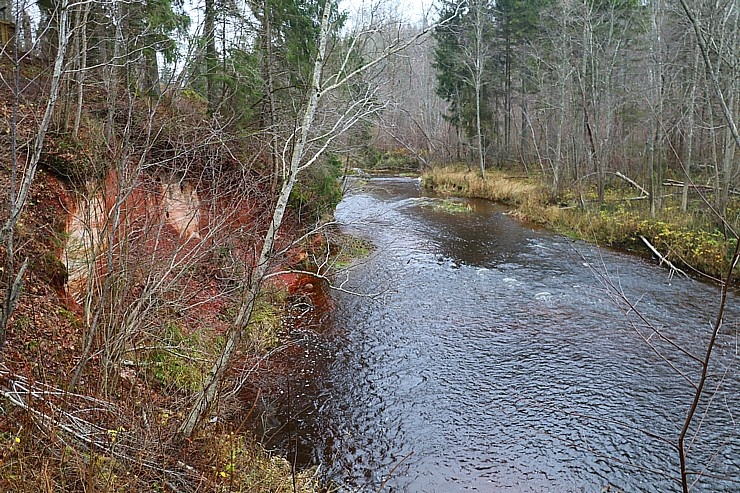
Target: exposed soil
(199, 243)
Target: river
(492, 357)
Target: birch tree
(475, 61)
(22, 174)
(321, 124)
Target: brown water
(496, 360)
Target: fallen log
(703, 188)
(633, 183)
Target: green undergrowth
(688, 240)
(705, 251)
(346, 249)
(264, 327)
(178, 361)
(397, 160)
(263, 332)
(318, 189)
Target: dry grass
(495, 186)
(681, 241)
(683, 238)
(236, 464)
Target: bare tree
(322, 122)
(474, 59)
(22, 174)
(726, 107)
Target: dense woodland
(163, 163)
(579, 91)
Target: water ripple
(497, 361)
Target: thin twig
(393, 469)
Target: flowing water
(495, 357)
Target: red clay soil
(46, 335)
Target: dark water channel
(495, 359)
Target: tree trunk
(18, 195)
(687, 163)
(479, 133)
(214, 380)
(269, 76)
(82, 67)
(507, 90)
(112, 75)
(209, 32)
(562, 71)
(27, 32)
(655, 144)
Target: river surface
(496, 357)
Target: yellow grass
(680, 237)
(496, 186)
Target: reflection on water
(495, 360)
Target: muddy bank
(281, 391)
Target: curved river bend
(496, 359)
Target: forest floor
(691, 241)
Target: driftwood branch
(323, 277)
(663, 259)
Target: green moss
(77, 159)
(69, 316)
(264, 326)
(346, 249)
(176, 361)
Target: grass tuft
(495, 186)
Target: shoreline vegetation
(684, 240)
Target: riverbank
(688, 241)
(133, 425)
(136, 314)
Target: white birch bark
(298, 159)
(214, 379)
(19, 200)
